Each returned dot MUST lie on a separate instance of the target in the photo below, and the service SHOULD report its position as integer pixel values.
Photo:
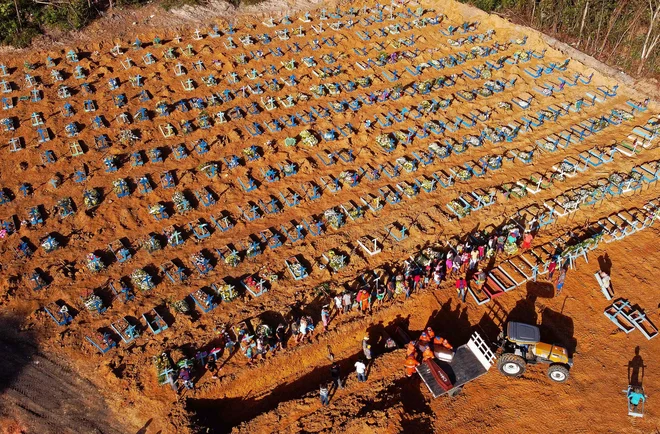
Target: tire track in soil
(43, 394)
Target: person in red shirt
(461, 288)
(527, 241)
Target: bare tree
(18, 15)
(613, 20)
(650, 42)
(584, 17)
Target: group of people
(425, 348)
(466, 264)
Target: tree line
(622, 33)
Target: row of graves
(240, 92)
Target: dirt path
(39, 393)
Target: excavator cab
(521, 345)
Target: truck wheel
(511, 365)
(455, 391)
(558, 373)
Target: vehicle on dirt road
(521, 346)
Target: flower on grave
(232, 259)
(289, 169)
(249, 152)
(486, 73)
(636, 175)
(335, 261)
(463, 174)
(50, 244)
(297, 269)
(91, 198)
(119, 186)
(459, 147)
(427, 185)
(355, 213)
(483, 91)
(408, 165)
(409, 190)
(198, 259)
(518, 191)
(473, 140)
(567, 168)
(152, 244)
(141, 279)
(94, 263)
(92, 302)
(226, 292)
(268, 274)
(180, 306)
(458, 208)
(478, 51)
(440, 151)
(181, 204)
(308, 138)
(468, 96)
(333, 218)
(494, 162)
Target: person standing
(280, 336)
(366, 349)
(361, 371)
(552, 266)
(325, 317)
(460, 288)
(560, 280)
(347, 301)
(325, 395)
(338, 303)
(335, 373)
(527, 241)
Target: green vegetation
(623, 33)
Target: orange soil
(280, 394)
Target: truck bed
(470, 362)
(463, 368)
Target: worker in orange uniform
(424, 339)
(411, 363)
(438, 341)
(428, 354)
(430, 333)
(411, 350)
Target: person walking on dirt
(361, 371)
(335, 373)
(410, 364)
(337, 300)
(325, 317)
(212, 367)
(560, 280)
(280, 336)
(303, 329)
(366, 349)
(552, 266)
(346, 300)
(460, 288)
(325, 395)
(527, 241)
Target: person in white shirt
(361, 371)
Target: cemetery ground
(239, 174)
